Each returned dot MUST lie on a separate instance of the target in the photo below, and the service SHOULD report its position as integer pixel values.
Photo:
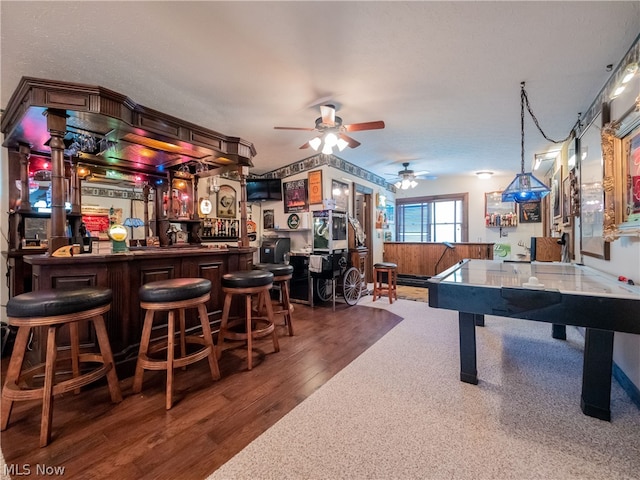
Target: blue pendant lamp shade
(525, 187)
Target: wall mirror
(592, 192)
(498, 213)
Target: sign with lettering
(295, 196)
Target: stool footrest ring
(14, 392)
(266, 329)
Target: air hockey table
(558, 293)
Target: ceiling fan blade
(328, 113)
(357, 127)
(306, 145)
(353, 143)
(295, 128)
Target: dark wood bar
(64, 134)
(125, 274)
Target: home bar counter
(124, 274)
(47, 122)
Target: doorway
(362, 206)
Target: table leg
(596, 374)
(467, 325)
(559, 331)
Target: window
(441, 218)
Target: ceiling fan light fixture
(331, 139)
(327, 149)
(342, 144)
(315, 143)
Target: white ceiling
(444, 76)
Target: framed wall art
(530, 212)
(268, 219)
(556, 195)
(566, 201)
(296, 196)
(315, 187)
(592, 242)
(340, 193)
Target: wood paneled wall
(429, 259)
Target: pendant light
(525, 187)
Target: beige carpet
(399, 412)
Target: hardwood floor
(210, 421)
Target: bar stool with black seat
(53, 309)
(174, 295)
(380, 288)
(281, 275)
(247, 283)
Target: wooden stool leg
(287, 306)
(75, 352)
(390, 285)
(13, 372)
(223, 323)
(170, 353)
(107, 358)
(270, 316)
(144, 348)
(47, 391)
(395, 284)
(208, 340)
(183, 343)
(249, 328)
(376, 285)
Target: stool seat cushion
(174, 290)
(247, 279)
(278, 269)
(385, 265)
(51, 303)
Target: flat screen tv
(263, 189)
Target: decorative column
(146, 190)
(25, 152)
(194, 189)
(244, 236)
(76, 191)
(57, 126)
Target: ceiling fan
(332, 131)
(406, 178)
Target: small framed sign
(529, 212)
(315, 187)
(295, 196)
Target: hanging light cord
(524, 100)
